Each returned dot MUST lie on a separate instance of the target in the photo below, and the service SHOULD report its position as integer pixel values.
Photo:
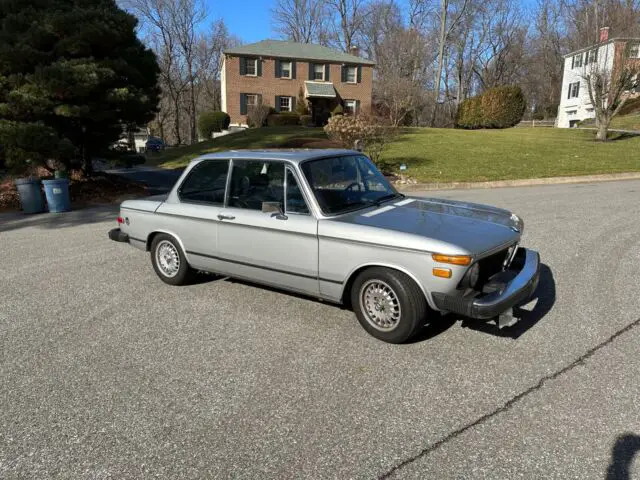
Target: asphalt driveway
(106, 372)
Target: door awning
(319, 90)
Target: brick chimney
(604, 34)
(354, 50)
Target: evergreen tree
(72, 74)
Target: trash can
(30, 195)
(57, 193)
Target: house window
(318, 71)
(252, 66)
(252, 100)
(634, 50)
(592, 56)
(350, 107)
(572, 112)
(285, 69)
(285, 104)
(576, 62)
(352, 74)
(574, 90)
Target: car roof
(294, 155)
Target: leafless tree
(383, 18)
(302, 21)
(349, 18)
(609, 89)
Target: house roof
(303, 51)
(319, 89)
(590, 47)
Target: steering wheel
(353, 184)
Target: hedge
(283, 118)
(499, 107)
(305, 120)
(210, 122)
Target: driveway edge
(527, 182)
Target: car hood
(437, 225)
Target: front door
(255, 240)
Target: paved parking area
(106, 372)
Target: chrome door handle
(225, 217)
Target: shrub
(305, 120)
(210, 122)
(372, 133)
(337, 111)
(127, 160)
(499, 107)
(301, 104)
(257, 115)
(283, 118)
(551, 111)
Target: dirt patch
(99, 188)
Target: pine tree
(72, 74)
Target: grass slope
(447, 155)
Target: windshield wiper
(378, 201)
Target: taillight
(120, 220)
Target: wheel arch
(351, 277)
(153, 234)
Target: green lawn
(627, 122)
(447, 155)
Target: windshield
(345, 183)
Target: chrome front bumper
(525, 266)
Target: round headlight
(473, 274)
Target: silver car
(327, 223)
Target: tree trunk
(443, 33)
(176, 112)
(603, 129)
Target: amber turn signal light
(452, 259)
(442, 272)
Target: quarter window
(254, 182)
(285, 104)
(318, 71)
(352, 74)
(295, 199)
(205, 183)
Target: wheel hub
(168, 259)
(380, 305)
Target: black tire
(412, 310)
(184, 274)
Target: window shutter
(277, 68)
(359, 74)
(343, 73)
(357, 109)
(310, 71)
(259, 67)
(293, 104)
(327, 71)
(277, 103)
(243, 104)
(243, 66)
(577, 89)
(259, 99)
(293, 69)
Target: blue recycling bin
(57, 193)
(30, 195)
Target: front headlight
(518, 223)
(470, 279)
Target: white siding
(582, 104)
(223, 86)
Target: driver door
(279, 248)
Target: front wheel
(388, 304)
(169, 261)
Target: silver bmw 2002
(326, 223)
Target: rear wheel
(388, 304)
(169, 261)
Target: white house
(606, 56)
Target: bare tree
(350, 17)
(302, 21)
(609, 89)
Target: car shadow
(622, 455)
(545, 295)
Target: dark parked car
(154, 144)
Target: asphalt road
(106, 372)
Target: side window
(254, 182)
(205, 183)
(295, 199)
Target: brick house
(609, 55)
(275, 71)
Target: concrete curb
(528, 182)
